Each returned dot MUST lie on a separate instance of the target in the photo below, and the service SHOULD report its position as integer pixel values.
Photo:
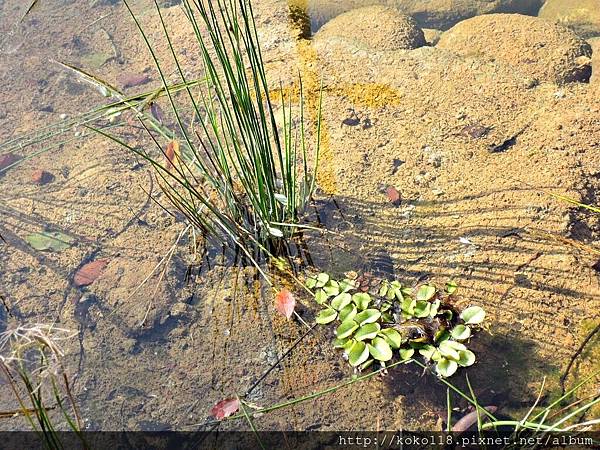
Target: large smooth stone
(375, 27)
(536, 47)
(583, 16)
(441, 14)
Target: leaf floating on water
(326, 316)
(285, 303)
(89, 272)
(473, 315)
(380, 349)
(393, 195)
(358, 354)
(225, 408)
(52, 241)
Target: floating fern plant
(374, 322)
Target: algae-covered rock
(440, 14)
(375, 27)
(583, 16)
(536, 47)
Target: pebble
(41, 177)
(63, 116)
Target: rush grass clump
(233, 171)
(31, 364)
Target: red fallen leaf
(41, 177)
(285, 303)
(8, 159)
(172, 153)
(393, 195)
(133, 79)
(225, 408)
(89, 272)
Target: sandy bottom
(157, 355)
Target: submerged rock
(375, 27)
(583, 16)
(440, 14)
(536, 47)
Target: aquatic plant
(375, 323)
(31, 363)
(233, 172)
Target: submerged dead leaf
(88, 273)
(172, 154)
(285, 303)
(393, 195)
(225, 408)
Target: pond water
(472, 132)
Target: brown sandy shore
(474, 132)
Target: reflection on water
(207, 328)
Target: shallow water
(158, 354)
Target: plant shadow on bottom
(502, 377)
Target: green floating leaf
(408, 306)
(380, 349)
(448, 351)
(311, 282)
(435, 306)
(406, 353)
(383, 290)
(346, 329)
(341, 301)
(367, 364)
(348, 312)
(347, 285)
(362, 300)
(446, 368)
(461, 332)
(473, 315)
(425, 292)
(281, 199)
(322, 279)
(466, 359)
(441, 335)
(367, 316)
(50, 240)
(427, 351)
(339, 343)
(422, 309)
(358, 354)
(326, 316)
(397, 290)
(392, 337)
(367, 331)
(451, 287)
(332, 287)
(321, 296)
